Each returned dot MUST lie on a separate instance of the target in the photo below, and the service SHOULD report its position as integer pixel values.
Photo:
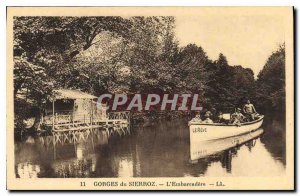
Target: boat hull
(204, 132)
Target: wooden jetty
(73, 110)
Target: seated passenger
(197, 118)
(220, 118)
(237, 117)
(207, 119)
(208, 113)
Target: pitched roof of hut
(72, 94)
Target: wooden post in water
(73, 113)
(53, 114)
(92, 111)
(54, 147)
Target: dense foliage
(130, 55)
(270, 84)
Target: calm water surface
(159, 150)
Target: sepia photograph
(150, 98)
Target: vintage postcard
(150, 98)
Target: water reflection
(162, 150)
(205, 148)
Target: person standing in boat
(249, 110)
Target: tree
(222, 60)
(270, 84)
(151, 45)
(64, 34)
(190, 71)
(228, 86)
(31, 81)
(102, 68)
(53, 42)
(32, 89)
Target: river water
(158, 150)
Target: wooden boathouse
(74, 110)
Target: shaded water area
(159, 150)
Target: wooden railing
(70, 118)
(119, 115)
(69, 121)
(61, 112)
